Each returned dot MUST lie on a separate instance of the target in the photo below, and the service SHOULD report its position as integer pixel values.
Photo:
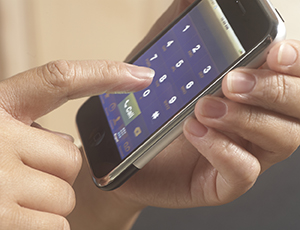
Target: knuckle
(250, 175)
(13, 217)
(59, 74)
(4, 218)
(61, 197)
(51, 222)
(70, 201)
(250, 118)
(110, 69)
(64, 224)
(64, 198)
(269, 158)
(75, 162)
(9, 218)
(247, 174)
(293, 142)
(276, 89)
(285, 146)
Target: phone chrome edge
(163, 137)
(145, 153)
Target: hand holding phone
(121, 133)
(182, 177)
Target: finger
(34, 93)
(56, 156)
(43, 192)
(226, 157)
(63, 135)
(284, 58)
(17, 217)
(264, 88)
(263, 129)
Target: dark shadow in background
(272, 204)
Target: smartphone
(121, 133)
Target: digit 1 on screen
(186, 28)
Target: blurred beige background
(34, 32)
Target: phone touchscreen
(186, 59)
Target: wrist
(97, 209)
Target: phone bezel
(123, 170)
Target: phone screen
(186, 60)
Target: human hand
(37, 168)
(228, 142)
(234, 139)
(215, 161)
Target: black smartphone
(122, 132)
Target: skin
(217, 159)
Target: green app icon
(129, 109)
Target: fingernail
(195, 128)
(240, 82)
(140, 72)
(212, 108)
(287, 55)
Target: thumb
(30, 95)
